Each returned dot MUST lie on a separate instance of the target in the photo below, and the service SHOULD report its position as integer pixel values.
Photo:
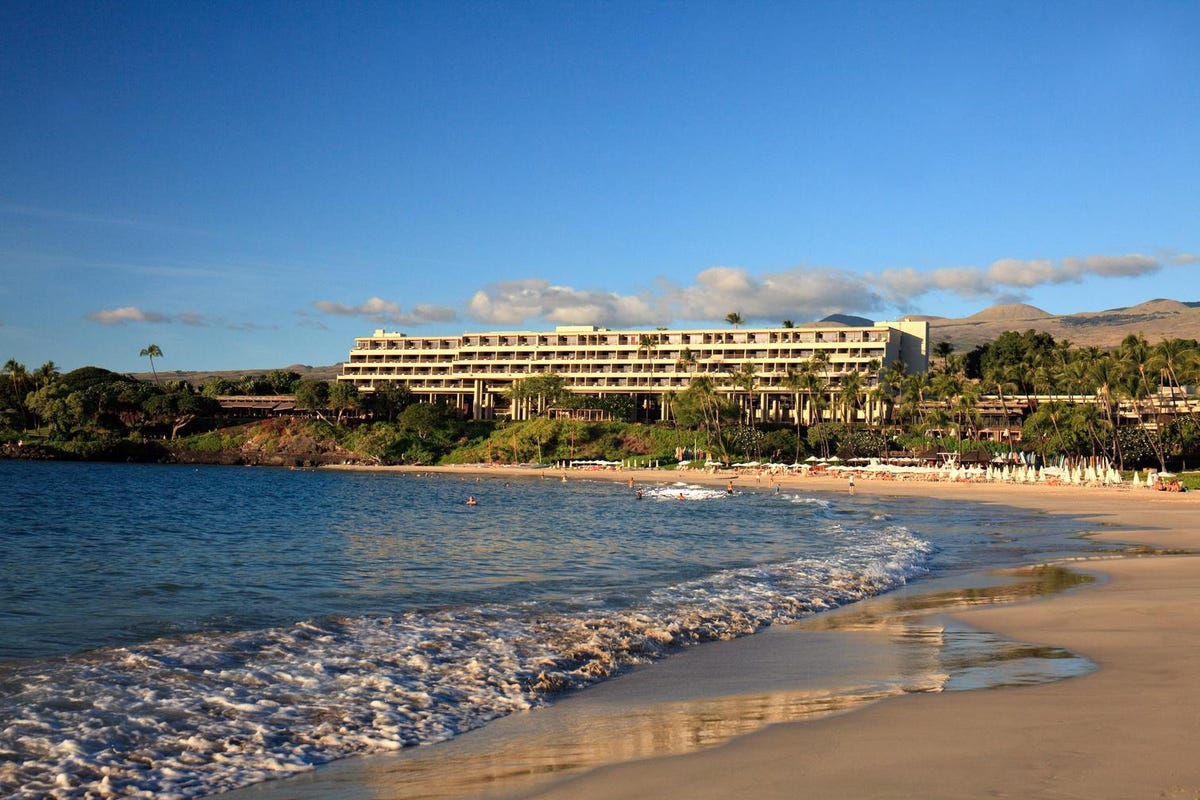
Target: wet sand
(764, 716)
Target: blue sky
(253, 185)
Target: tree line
(1067, 400)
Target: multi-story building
(475, 371)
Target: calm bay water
(179, 631)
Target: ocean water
(179, 631)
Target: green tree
(850, 391)
(282, 381)
(179, 409)
(343, 398)
(745, 378)
(15, 389)
(217, 386)
(312, 396)
(152, 351)
(734, 318)
(794, 380)
(943, 350)
(388, 400)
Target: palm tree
(943, 350)
(1176, 360)
(787, 323)
(1107, 375)
(734, 318)
(16, 372)
(744, 379)
(1003, 376)
(45, 374)
(820, 362)
(152, 351)
(686, 361)
(850, 390)
(794, 379)
(19, 376)
(646, 345)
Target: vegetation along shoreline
(1023, 393)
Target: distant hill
(1155, 319)
(197, 378)
(1010, 311)
(849, 321)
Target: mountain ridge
(1156, 319)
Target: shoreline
(1069, 738)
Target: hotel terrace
(473, 372)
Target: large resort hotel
(474, 371)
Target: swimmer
(471, 501)
(631, 483)
(639, 493)
(729, 487)
(681, 497)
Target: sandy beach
(1127, 729)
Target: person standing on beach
(851, 484)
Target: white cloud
(999, 279)
(194, 319)
(119, 316)
(381, 311)
(800, 294)
(515, 302)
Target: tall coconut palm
(734, 318)
(1004, 377)
(45, 374)
(686, 362)
(850, 391)
(943, 350)
(744, 378)
(794, 380)
(152, 351)
(1107, 376)
(1177, 361)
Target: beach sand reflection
(895, 644)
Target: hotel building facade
(474, 372)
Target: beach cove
(1126, 729)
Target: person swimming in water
(471, 501)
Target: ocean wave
(210, 712)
